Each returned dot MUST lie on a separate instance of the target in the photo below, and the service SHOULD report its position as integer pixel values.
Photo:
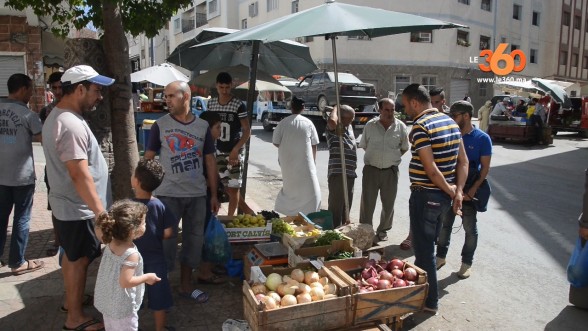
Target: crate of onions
(297, 299)
(385, 289)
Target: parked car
(318, 89)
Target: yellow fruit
(231, 225)
(240, 217)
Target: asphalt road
(518, 278)
(525, 239)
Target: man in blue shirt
(478, 146)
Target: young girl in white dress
(120, 281)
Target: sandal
(88, 301)
(196, 295)
(213, 279)
(32, 265)
(406, 244)
(84, 325)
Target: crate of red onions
(383, 289)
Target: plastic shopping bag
(578, 266)
(217, 248)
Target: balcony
(201, 19)
(188, 25)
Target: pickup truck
(318, 91)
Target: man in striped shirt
(437, 170)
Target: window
(272, 4)
(484, 42)
(577, 22)
(573, 93)
(575, 60)
(463, 38)
(294, 6)
(429, 82)
(563, 58)
(565, 18)
(483, 89)
(401, 83)
(585, 62)
(503, 39)
(244, 23)
(514, 47)
(516, 12)
(465, 2)
(358, 37)
(421, 37)
(177, 25)
(536, 18)
(143, 56)
(486, 5)
(253, 9)
(212, 6)
(533, 56)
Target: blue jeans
(21, 197)
(470, 226)
(426, 208)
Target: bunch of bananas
(313, 233)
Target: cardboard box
(256, 234)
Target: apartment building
(551, 35)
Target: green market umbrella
(330, 20)
(557, 92)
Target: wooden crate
(241, 235)
(385, 305)
(330, 314)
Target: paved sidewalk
(31, 301)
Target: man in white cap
(80, 188)
(500, 108)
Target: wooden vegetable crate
(330, 314)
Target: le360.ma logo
(499, 62)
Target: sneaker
(465, 271)
(440, 262)
(383, 236)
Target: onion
(258, 288)
(303, 288)
(410, 283)
(311, 277)
(317, 293)
(270, 303)
(383, 284)
(410, 274)
(395, 264)
(372, 281)
(297, 275)
(399, 283)
(369, 273)
(386, 275)
(288, 300)
(303, 298)
(397, 273)
(274, 296)
(285, 278)
(316, 284)
(292, 282)
(330, 289)
(284, 289)
(273, 280)
(260, 297)
(370, 263)
(324, 280)
(363, 290)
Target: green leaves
(138, 16)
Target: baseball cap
(81, 73)
(297, 102)
(507, 99)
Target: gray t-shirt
(66, 137)
(182, 148)
(18, 125)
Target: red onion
(369, 273)
(397, 273)
(410, 274)
(395, 264)
(383, 284)
(399, 283)
(386, 275)
(363, 290)
(372, 281)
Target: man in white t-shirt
(296, 139)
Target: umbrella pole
(250, 101)
(339, 131)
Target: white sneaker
(465, 271)
(440, 262)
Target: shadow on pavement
(570, 318)
(446, 282)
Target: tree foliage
(138, 16)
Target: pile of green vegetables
(328, 237)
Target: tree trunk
(90, 52)
(116, 48)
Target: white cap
(83, 72)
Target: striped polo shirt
(350, 148)
(438, 131)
